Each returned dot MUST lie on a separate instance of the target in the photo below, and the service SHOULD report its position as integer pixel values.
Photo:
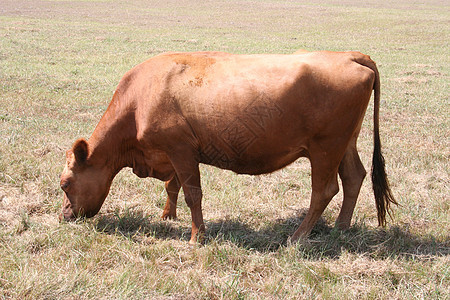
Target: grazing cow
(252, 114)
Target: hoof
(167, 216)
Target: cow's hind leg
(172, 188)
(324, 187)
(352, 174)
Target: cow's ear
(80, 151)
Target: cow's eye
(65, 184)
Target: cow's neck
(114, 138)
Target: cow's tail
(380, 183)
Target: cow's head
(84, 181)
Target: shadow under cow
(324, 241)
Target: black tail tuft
(380, 184)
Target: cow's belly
(253, 160)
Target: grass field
(60, 62)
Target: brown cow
(252, 114)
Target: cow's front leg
(193, 196)
(172, 188)
(189, 177)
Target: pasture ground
(59, 64)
